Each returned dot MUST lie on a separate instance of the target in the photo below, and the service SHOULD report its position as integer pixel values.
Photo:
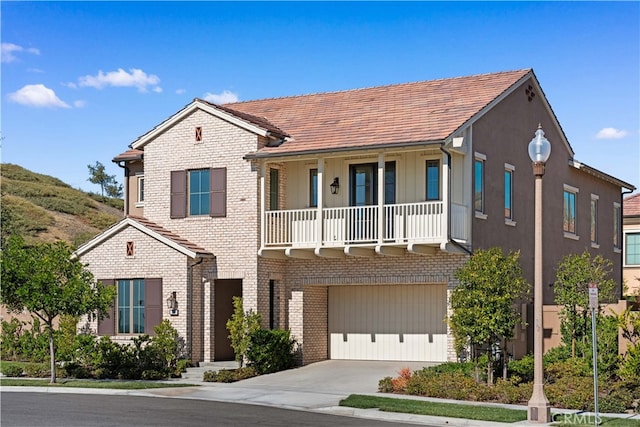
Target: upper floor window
(313, 188)
(199, 192)
(594, 219)
(433, 179)
(140, 189)
(478, 184)
(569, 210)
(389, 183)
(508, 192)
(632, 248)
(274, 189)
(616, 226)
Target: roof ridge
(522, 70)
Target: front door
(225, 290)
(363, 192)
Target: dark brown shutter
(218, 199)
(178, 194)
(152, 305)
(107, 326)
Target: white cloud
(38, 96)
(611, 133)
(79, 103)
(121, 78)
(157, 89)
(223, 98)
(181, 91)
(9, 51)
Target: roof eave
(599, 174)
(319, 152)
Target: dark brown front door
(225, 290)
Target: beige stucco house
(343, 216)
(631, 242)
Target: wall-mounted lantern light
(172, 304)
(335, 185)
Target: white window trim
(483, 157)
(511, 168)
(624, 243)
(594, 244)
(620, 230)
(139, 203)
(574, 190)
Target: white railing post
(446, 197)
(263, 214)
(381, 221)
(320, 200)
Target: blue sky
(82, 80)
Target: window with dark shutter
(218, 198)
(153, 304)
(107, 326)
(178, 194)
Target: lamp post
(538, 408)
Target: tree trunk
(490, 367)
(504, 359)
(52, 354)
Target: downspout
(126, 186)
(449, 239)
(621, 237)
(189, 310)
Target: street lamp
(538, 409)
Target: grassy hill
(44, 209)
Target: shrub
(522, 368)
(400, 382)
(271, 350)
(229, 375)
(629, 369)
(10, 370)
(241, 326)
(573, 367)
(385, 385)
(37, 370)
(572, 392)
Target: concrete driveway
(334, 376)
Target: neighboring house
(631, 250)
(343, 216)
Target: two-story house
(343, 216)
(631, 241)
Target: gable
(150, 229)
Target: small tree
(241, 326)
(108, 183)
(483, 304)
(573, 276)
(47, 281)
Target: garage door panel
(395, 322)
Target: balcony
(407, 225)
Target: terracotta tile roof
(631, 205)
(258, 121)
(129, 155)
(171, 236)
(395, 114)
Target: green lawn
(421, 407)
(119, 384)
(471, 412)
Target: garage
(388, 322)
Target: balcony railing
(423, 222)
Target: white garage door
(396, 322)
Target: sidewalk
(317, 387)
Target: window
(433, 180)
(632, 248)
(140, 189)
(390, 183)
(478, 183)
(199, 192)
(569, 210)
(594, 219)
(616, 226)
(313, 188)
(508, 192)
(274, 189)
(131, 306)
(137, 308)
